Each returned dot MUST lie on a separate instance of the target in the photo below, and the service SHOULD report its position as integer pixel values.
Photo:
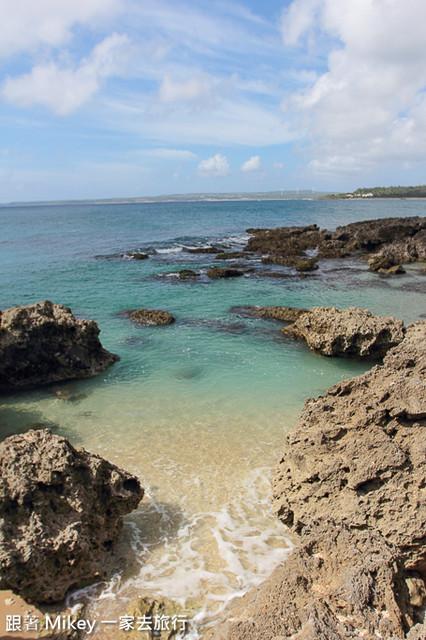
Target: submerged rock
(352, 332)
(140, 256)
(284, 314)
(61, 510)
(219, 272)
(358, 453)
(151, 317)
(43, 342)
(339, 583)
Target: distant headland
(381, 192)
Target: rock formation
(351, 484)
(43, 342)
(352, 332)
(337, 584)
(61, 510)
(358, 452)
(151, 317)
(402, 238)
(222, 272)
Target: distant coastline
(295, 194)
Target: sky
(135, 98)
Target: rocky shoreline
(351, 484)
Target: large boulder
(339, 583)
(61, 511)
(358, 453)
(43, 342)
(352, 332)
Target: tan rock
(351, 332)
(358, 453)
(60, 513)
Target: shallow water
(198, 409)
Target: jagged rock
(405, 238)
(219, 272)
(340, 583)
(358, 453)
(151, 317)
(284, 314)
(61, 510)
(43, 342)
(381, 260)
(284, 241)
(349, 332)
(140, 256)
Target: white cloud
(368, 107)
(278, 165)
(63, 90)
(253, 164)
(215, 167)
(25, 25)
(192, 89)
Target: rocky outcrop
(219, 272)
(151, 317)
(140, 256)
(352, 332)
(339, 583)
(61, 510)
(358, 453)
(404, 238)
(43, 342)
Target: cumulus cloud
(26, 25)
(215, 167)
(368, 106)
(63, 90)
(253, 164)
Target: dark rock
(284, 241)
(352, 332)
(204, 250)
(43, 342)
(186, 274)
(219, 272)
(381, 260)
(139, 256)
(151, 317)
(339, 583)
(60, 510)
(358, 453)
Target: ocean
(197, 409)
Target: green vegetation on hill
(384, 192)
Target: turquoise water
(197, 409)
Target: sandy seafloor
(198, 409)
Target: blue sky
(124, 98)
